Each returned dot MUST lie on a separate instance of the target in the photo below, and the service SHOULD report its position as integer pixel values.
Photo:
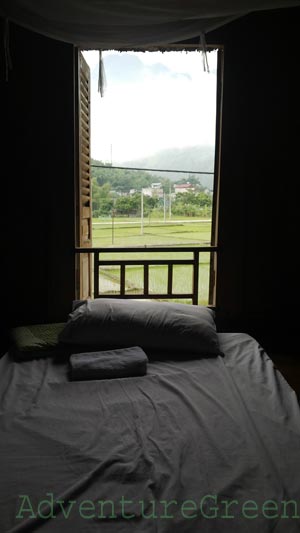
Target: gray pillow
(156, 326)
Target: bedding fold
(108, 364)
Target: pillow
(157, 326)
(33, 341)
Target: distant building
(156, 185)
(184, 187)
(153, 192)
(148, 191)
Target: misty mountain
(191, 158)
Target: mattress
(209, 444)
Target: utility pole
(142, 212)
(113, 225)
(113, 213)
(170, 202)
(164, 207)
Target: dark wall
(259, 202)
(258, 281)
(37, 211)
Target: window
(152, 145)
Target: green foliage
(111, 188)
(192, 204)
(102, 202)
(121, 180)
(166, 185)
(128, 205)
(193, 180)
(131, 205)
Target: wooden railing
(145, 264)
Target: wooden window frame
(84, 267)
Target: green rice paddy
(179, 232)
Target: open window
(135, 208)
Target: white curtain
(104, 24)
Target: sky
(152, 101)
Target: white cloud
(167, 107)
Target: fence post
(96, 274)
(196, 277)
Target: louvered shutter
(84, 203)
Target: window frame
(212, 296)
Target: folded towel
(120, 363)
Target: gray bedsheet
(208, 445)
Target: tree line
(118, 192)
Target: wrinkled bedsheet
(208, 445)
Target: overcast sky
(152, 101)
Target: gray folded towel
(120, 363)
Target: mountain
(191, 158)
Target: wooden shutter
(84, 193)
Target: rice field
(130, 232)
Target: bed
(202, 442)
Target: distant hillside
(191, 158)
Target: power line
(153, 169)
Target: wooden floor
(289, 367)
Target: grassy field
(124, 232)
